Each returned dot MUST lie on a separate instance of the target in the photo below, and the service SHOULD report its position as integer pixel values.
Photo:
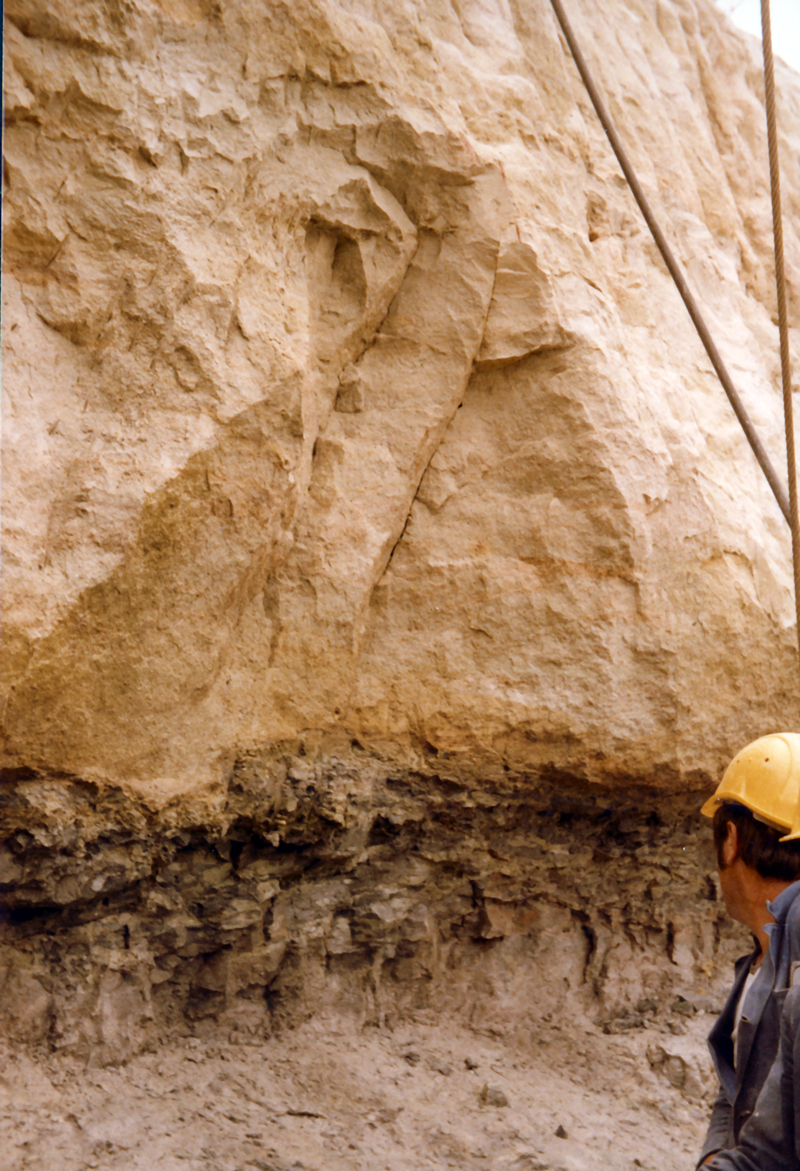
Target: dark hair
(759, 846)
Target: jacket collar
(779, 907)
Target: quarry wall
(386, 576)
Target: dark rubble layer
(331, 886)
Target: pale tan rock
(346, 394)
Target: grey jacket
(770, 1141)
(759, 1030)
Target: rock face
(332, 888)
(345, 390)
(365, 483)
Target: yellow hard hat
(765, 778)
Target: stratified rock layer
(352, 420)
(330, 887)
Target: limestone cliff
(368, 496)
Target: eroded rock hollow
(386, 575)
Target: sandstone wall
(345, 390)
(353, 429)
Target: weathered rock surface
(385, 571)
(345, 390)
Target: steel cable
(780, 284)
(674, 268)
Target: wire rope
(780, 285)
(674, 268)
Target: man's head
(756, 812)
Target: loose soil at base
(330, 1096)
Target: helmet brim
(710, 807)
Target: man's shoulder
(787, 945)
(792, 914)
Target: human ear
(730, 846)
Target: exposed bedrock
(348, 407)
(345, 390)
(345, 889)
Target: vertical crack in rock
(489, 304)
